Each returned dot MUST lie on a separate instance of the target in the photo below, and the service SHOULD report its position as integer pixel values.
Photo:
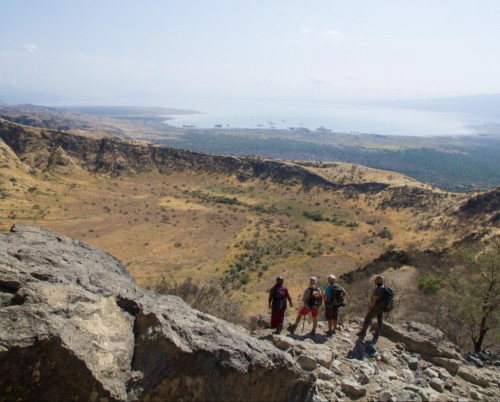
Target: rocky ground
(409, 362)
(73, 326)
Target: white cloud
(356, 78)
(305, 30)
(318, 80)
(31, 48)
(334, 35)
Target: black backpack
(386, 303)
(337, 295)
(279, 298)
(315, 298)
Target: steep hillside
(175, 214)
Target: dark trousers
(374, 312)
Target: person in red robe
(278, 295)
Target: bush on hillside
(428, 284)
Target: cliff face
(74, 326)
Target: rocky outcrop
(481, 204)
(422, 339)
(389, 370)
(74, 326)
(410, 197)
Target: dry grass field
(214, 226)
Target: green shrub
(385, 233)
(315, 216)
(428, 284)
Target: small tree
(472, 289)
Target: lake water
(332, 116)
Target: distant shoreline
(328, 118)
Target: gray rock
(307, 362)
(421, 338)
(431, 373)
(429, 395)
(443, 373)
(476, 396)
(437, 384)
(385, 396)
(325, 374)
(451, 365)
(319, 398)
(327, 387)
(474, 360)
(408, 375)
(351, 387)
(323, 354)
(391, 375)
(473, 375)
(448, 384)
(80, 327)
(363, 379)
(412, 363)
(406, 396)
(424, 394)
(335, 367)
(389, 359)
(368, 368)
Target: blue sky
(155, 52)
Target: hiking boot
(312, 334)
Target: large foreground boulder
(73, 326)
(422, 339)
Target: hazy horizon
(153, 52)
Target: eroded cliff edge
(75, 327)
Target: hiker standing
(334, 299)
(278, 296)
(375, 309)
(313, 297)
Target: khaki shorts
(331, 313)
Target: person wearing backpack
(278, 295)
(381, 301)
(334, 299)
(313, 298)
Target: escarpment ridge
(114, 156)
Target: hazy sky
(155, 50)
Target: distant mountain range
(14, 95)
(482, 105)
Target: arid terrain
(171, 214)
